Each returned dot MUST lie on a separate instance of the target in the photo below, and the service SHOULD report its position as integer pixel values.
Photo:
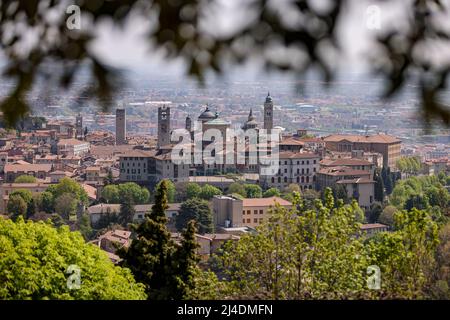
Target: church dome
(207, 115)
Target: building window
(279, 179)
(248, 220)
(314, 161)
(261, 220)
(285, 179)
(285, 170)
(255, 220)
(260, 212)
(273, 180)
(248, 211)
(243, 220)
(243, 212)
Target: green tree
(253, 191)
(25, 179)
(375, 213)
(27, 196)
(47, 202)
(418, 201)
(16, 207)
(187, 259)
(272, 192)
(405, 256)
(209, 191)
(197, 210)
(387, 215)
(127, 211)
(85, 228)
(387, 180)
(340, 192)
(379, 186)
(193, 190)
(237, 188)
(171, 191)
(109, 179)
(67, 185)
(151, 255)
(299, 254)
(66, 206)
(34, 263)
(131, 190)
(111, 194)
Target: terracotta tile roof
(265, 202)
(297, 155)
(291, 142)
(345, 162)
(138, 153)
(378, 138)
(71, 142)
(343, 171)
(27, 167)
(91, 191)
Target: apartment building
(232, 212)
(387, 145)
(151, 167)
(294, 167)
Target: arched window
(285, 179)
(298, 179)
(273, 180)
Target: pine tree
(187, 259)
(150, 256)
(127, 211)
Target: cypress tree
(379, 186)
(127, 211)
(187, 259)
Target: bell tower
(268, 113)
(163, 126)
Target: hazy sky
(125, 48)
